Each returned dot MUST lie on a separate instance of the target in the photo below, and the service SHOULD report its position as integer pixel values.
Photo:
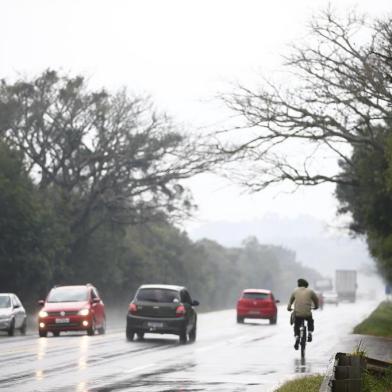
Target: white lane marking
(198, 350)
(239, 339)
(216, 345)
(136, 369)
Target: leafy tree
(370, 201)
(111, 157)
(30, 236)
(104, 161)
(89, 189)
(271, 267)
(220, 278)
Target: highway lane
(227, 356)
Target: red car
(257, 304)
(72, 308)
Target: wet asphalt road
(226, 356)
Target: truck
(346, 284)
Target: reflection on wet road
(301, 366)
(227, 356)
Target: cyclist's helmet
(302, 283)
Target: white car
(12, 314)
(330, 297)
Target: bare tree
(339, 96)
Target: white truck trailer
(346, 284)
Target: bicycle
(303, 334)
(303, 337)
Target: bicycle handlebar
(312, 308)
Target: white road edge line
(239, 339)
(136, 369)
(229, 341)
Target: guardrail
(345, 372)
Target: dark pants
(298, 322)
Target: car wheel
(11, 329)
(23, 328)
(183, 337)
(43, 334)
(130, 335)
(192, 334)
(91, 330)
(56, 333)
(240, 319)
(102, 328)
(273, 320)
(140, 335)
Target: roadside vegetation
(303, 384)
(379, 323)
(91, 191)
(91, 182)
(378, 383)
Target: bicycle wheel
(303, 342)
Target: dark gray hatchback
(162, 309)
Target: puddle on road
(153, 381)
(175, 386)
(253, 371)
(301, 366)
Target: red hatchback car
(72, 308)
(257, 304)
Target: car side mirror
(195, 303)
(41, 302)
(16, 306)
(96, 300)
(277, 301)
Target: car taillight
(180, 311)
(132, 308)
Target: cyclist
(303, 299)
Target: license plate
(154, 324)
(254, 312)
(62, 320)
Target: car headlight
(84, 312)
(42, 313)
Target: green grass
(379, 323)
(372, 383)
(303, 384)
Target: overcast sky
(180, 52)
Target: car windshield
(5, 301)
(255, 295)
(158, 295)
(67, 294)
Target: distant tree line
(336, 102)
(90, 190)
